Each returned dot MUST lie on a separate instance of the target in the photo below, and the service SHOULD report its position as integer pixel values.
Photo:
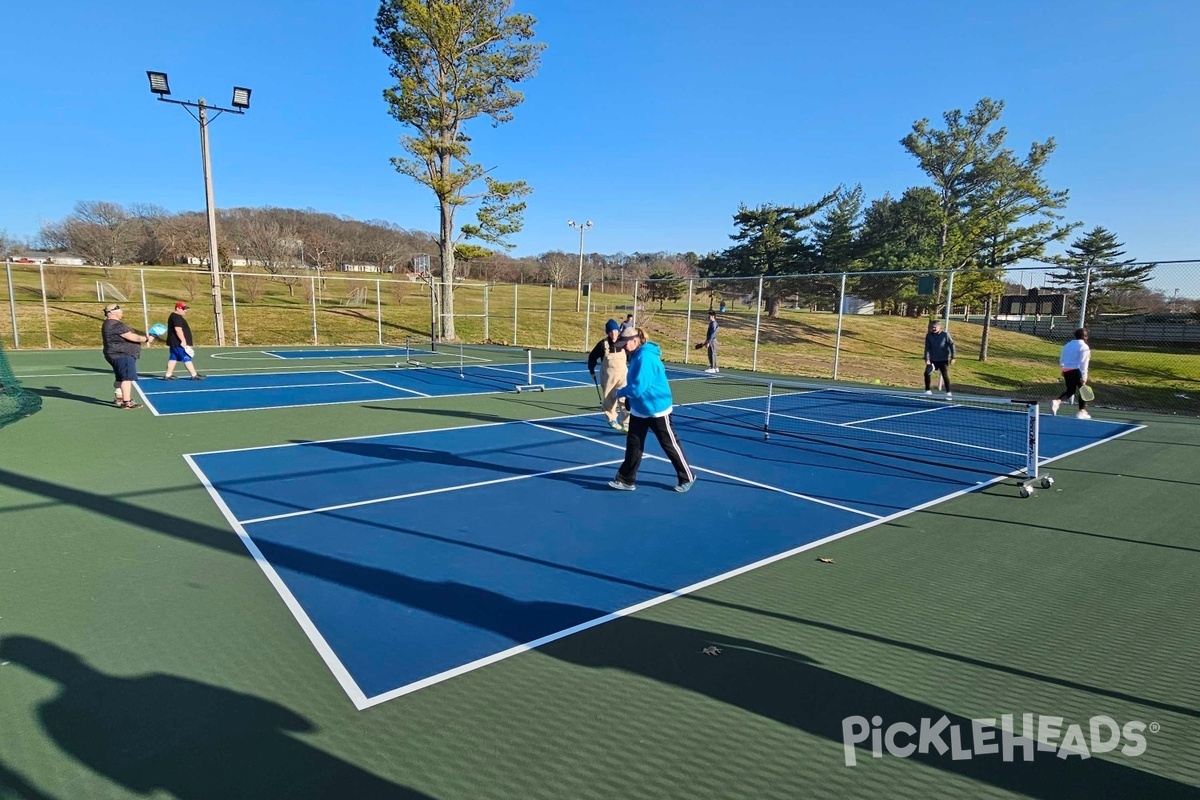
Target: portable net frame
(16, 401)
(990, 436)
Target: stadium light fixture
(241, 102)
(579, 282)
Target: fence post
(313, 284)
(1087, 287)
(949, 302)
(635, 307)
(378, 313)
(145, 307)
(514, 341)
(45, 307)
(837, 344)
(549, 315)
(12, 304)
(587, 321)
(757, 325)
(687, 328)
(487, 334)
(233, 301)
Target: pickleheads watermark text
(983, 737)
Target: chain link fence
(863, 326)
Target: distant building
(857, 305)
(43, 257)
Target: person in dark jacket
(650, 404)
(710, 342)
(939, 355)
(609, 354)
(122, 348)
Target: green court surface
(144, 654)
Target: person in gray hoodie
(939, 355)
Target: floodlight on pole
(579, 282)
(241, 101)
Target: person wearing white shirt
(1075, 358)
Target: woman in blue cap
(650, 405)
(613, 364)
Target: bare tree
(102, 232)
(556, 266)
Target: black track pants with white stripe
(635, 443)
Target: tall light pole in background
(579, 283)
(240, 102)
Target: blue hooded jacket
(646, 385)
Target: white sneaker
(1054, 404)
(711, 370)
(929, 391)
(1083, 415)
(948, 395)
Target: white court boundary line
(425, 492)
(348, 402)
(146, 399)
(211, 389)
(340, 673)
(381, 383)
(355, 693)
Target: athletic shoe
(683, 487)
(929, 391)
(1083, 415)
(621, 485)
(949, 395)
(711, 371)
(119, 403)
(1054, 404)
(625, 427)
(170, 377)
(616, 426)
(198, 377)
(130, 405)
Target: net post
(767, 416)
(487, 336)
(514, 341)
(529, 385)
(1031, 454)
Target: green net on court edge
(15, 401)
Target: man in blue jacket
(650, 404)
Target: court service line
(893, 416)
(747, 481)
(426, 492)
(381, 383)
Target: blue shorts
(124, 367)
(179, 354)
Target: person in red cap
(179, 340)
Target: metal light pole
(240, 102)
(579, 282)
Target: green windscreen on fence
(15, 401)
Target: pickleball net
(988, 435)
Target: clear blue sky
(653, 118)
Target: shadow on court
(161, 732)
(776, 684)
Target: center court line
(746, 481)
(442, 490)
(381, 383)
(893, 416)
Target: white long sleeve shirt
(1076, 355)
